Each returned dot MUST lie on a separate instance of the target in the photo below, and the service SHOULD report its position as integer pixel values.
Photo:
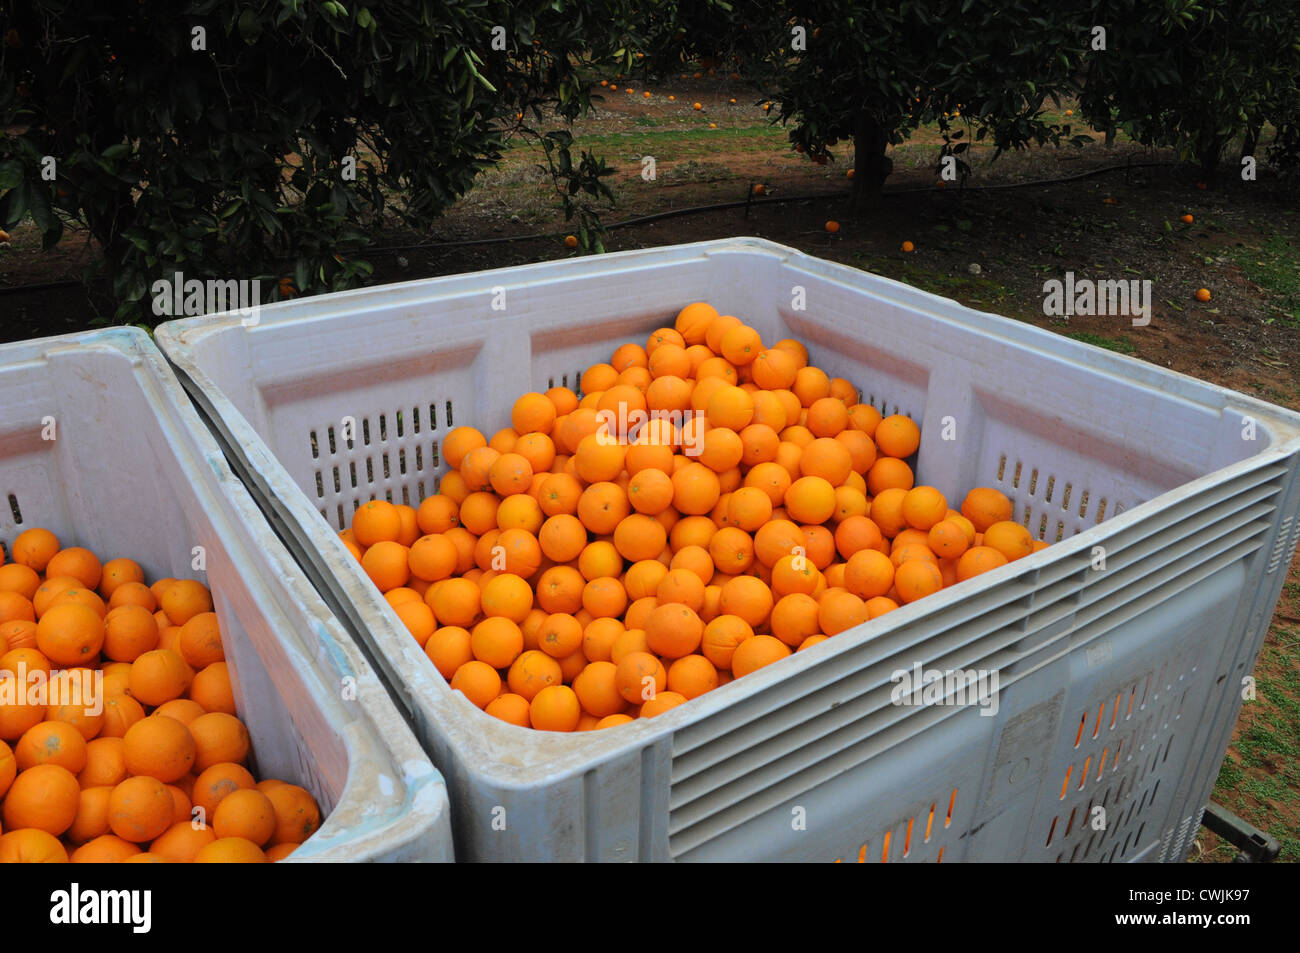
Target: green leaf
(11, 174)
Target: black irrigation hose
(693, 210)
(674, 213)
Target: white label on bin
(1098, 654)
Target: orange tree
(836, 70)
(269, 138)
(1197, 75)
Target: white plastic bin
(1119, 686)
(133, 472)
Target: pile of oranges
(710, 505)
(118, 734)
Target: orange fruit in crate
(984, 506)
(45, 796)
(34, 548)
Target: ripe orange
(984, 506)
(34, 548)
(247, 813)
(70, 634)
(639, 676)
(218, 737)
(916, 578)
(510, 708)
(795, 618)
(979, 559)
(596, 687)
(555, 708)
(140, 809)
(756, 653)
(78, 563)
(1010, 539)
(839, 610)
(869, 573)
(159, 676)
(673, 630)
(497, 640)
(50, 742)
(231, 850)
(811, 499)
(897, 436)
(948, 539)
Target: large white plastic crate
(132, 471)
(1119, 686)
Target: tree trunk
(870, 164)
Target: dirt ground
(986, 245)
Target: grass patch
(1110, 344)
(1272, 266)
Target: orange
(673, 630)
(45, 796)
(916, 578)
(810, 499)
(497, 640)
(722, 636)
(139, 809)
(387, 565)
(185, 599)
(638, 537)
(661, 703)
(246, 813)
(695, 489)
(478, 512)
(693, 322)
(559, 493)
(555, 708)
(296, 811)
(231, 850)
(1010, 539)
(432, 558)
(827, 416)
(507, 596)
(749, 508)
(437, 514)
(184, 710)
(159, 676)
(794, 574)
(130, 631)
(650, 491)
(775, 369)
(598, 638)
(374, 522)
(31, 846)
(70, 635)
(730, 407)
(747, 597)
(604, 597)
(795, 618)
(602, 506)
(839, 610)
(105, 763)
(200, 641)
(510, 708)
(596, 687)
(683, 586)
(691, 676)
(562, 537)
(15, 608)
(8, 768)
(181, 842)
(215, 783)
(626, 642)
(977, 560)
(92, 815)
(757, 652)
(458, 443)
(759, 444)
(776, 539)
(559, 636)
(511, 473)
(740, 345)
(20, 579)
(105, 849)
(639, 676)
(947, 539)
(50, 742)
(159, 747)
(559, 589)
(889, 473)
(454, 601)
(897, 436)
(923, 506)
(865, 418)
(887, 511)
(731, 550)
(855, 534)
(984, 506)
(1202, 294)
(662, 336)
(810, 385)
(448, 648)
(77, 562)
(532, 413)
(218, 737)
(34, 548)
(120, 713)
(869, 573)
(717, 328)
(212, 690)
